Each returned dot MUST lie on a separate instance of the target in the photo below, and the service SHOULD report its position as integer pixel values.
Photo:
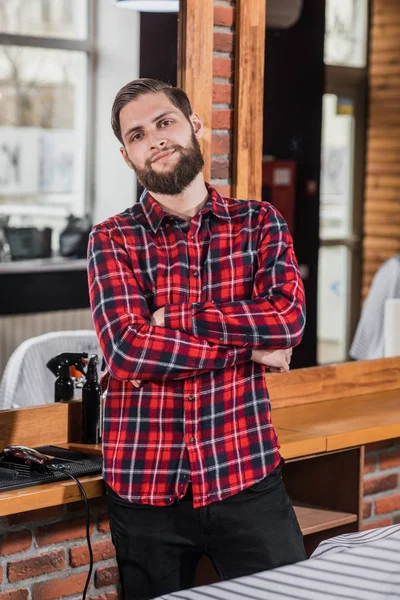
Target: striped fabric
(229, 282)
(356, 566)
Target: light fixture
(282, 14)
(149, 5)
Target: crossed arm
(181, 341)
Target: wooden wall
(382, 186)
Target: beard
(172, 182)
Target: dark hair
(139, 87)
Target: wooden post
(195, 60)
(249, 94)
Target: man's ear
(125, 157)
(197, 124)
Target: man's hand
(278, 361)
(157, 318)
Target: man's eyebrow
(138, 127)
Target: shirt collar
(155, 214)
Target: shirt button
(221, 339)
(191, 440)
(192, 238)
(195, 273)
(191, 398)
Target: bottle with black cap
(91, 405)
(60, 365)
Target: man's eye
(137, 136)
(166, 123)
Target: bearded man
(194, 296)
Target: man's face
(160, 144)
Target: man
(193, 297)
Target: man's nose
(158, 141)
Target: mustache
(176, 148)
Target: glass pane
(336, 167)
(333, 270)
(45, 18)
(42, 135)
(346, 32)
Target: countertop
(42, 265)
(303, 430)
(312, 422)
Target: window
(45, 75)
(342, 160)
(346, 32)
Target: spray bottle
(91, 405)
(59, 365)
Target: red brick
(224, 16)
(367, 510)
(1, 574)
(380, 484)
(79, 507)
(101, 551)
(37, 565)
(57, 588)
(220, 143)
(222, 119)
(223, 42)
(15, 542)
(388, 460)
(220, 169)
(222, 93)
(370, 463)
(387, 504)
(224, 190)
(43, 514)
(106, 576)
(21, 594)
(374, 524)
(222, 67)
(103, 524)
(62, 532)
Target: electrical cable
(55, 467)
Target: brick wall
(44, 556)
(222, 118)
(382, 484)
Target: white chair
(26, 380)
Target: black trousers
(158, 548)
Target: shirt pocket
(230, 278)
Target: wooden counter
(340, 414)
(342, 423)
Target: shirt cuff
(179, 316)
(240, 355)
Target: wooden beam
(57, 423)
(344, 380)
(248, 104)
(195, 61)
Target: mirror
(58, 154)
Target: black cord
(61, 468)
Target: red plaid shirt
(229, 282)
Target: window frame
(352, 82)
